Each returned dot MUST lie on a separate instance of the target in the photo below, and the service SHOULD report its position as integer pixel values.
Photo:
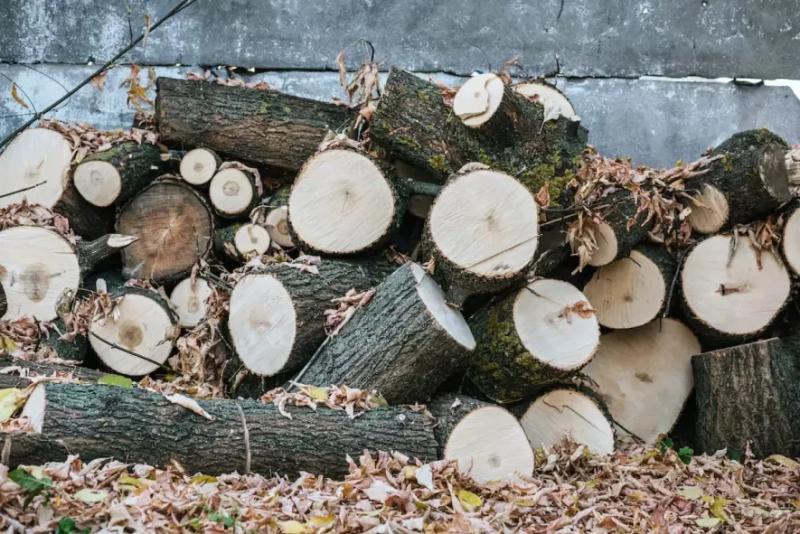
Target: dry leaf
(99, 81)
(17, 98)
(189, 404)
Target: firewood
(793, 166)
(199, 165)
(342, 203)
(277, 220)
(75, 348)
(536, 337)
(174, 226)
(749, 393)
(138, 426)
(403, 344)
(188, 299)
(277, 315)
(486, 440)
(567, 413)
(117, 174)
(644, 375)
(749, 181)
(731, 291)
(482, 232)
(632, 291)
(620, 230)
(555, 103)
(264, 127)
(240, 242)
(16, 380)
(39, 265)
(233, 192)
(35, 167)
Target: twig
(296, 380)
(4, 195)
(127, 351)
(674, 282)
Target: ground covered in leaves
(635, 490)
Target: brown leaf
(99, 81)
(17, 98)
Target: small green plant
(67, 526)
(33, 486)
(685, 454)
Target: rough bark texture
(24, 448)
(174, 226)
(414, 124)
(86, 220)
(9, 380)
(448, 416)
(393, 345)
(93, 253)
(667, 265)
(749, 393)
(74, 349)
(137, 165)
(137, 426)
(502, 368)
(224, 246)
(265, 127)
(620, 215)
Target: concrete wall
(613, 55)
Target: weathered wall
(603, 48)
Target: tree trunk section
(8, 380)
(240, 242)
(620, 229)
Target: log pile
(463, 278)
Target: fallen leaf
(116, 380)
(200, 478)
(91, 496)
(189, 404)
(315, 392)
(17, 98)
(424, 476)
(294, 527)
(11, 399)
(690, 492)
(469, 500)
(784, 461)
(707, 522)
(322, 521)
(99, 81)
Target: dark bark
(137, 164)
(749, 393)
(224, 246)
(8, 380)
(86, 220)
(619, 211)
(264, 127)
(74, 349)
(92, 253)
(25, 448)
(393, 345)
(133, 425)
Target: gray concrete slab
(609, 38)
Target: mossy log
(137, 426)
(115, 175)
(403, 344)
(749, 393)
(264, 127)
(749, 180)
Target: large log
(404, 344)
(731, 291)
(264, 127)
(277, 319)
(174, 226)
(749, 393)
(137, 426)
(14, 379)
(536, 337)
(749, 180)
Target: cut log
(403, 344)
(174, 226)
(790, 241)
(342, 203)
(277, 221)
(246, 124)
(139, 336)
(749, 393)
(20, 378)
(749, 180)
(38, 265)
(563, 414)
(277, 318)
(137, 426)
(234, 192)
(482, 232)
(53, 345)
(199, 165)
(731, 292)
(632, 291)
(486, 440)
(117, 174)
(35, 167)
(793, 166)
(555, 103)
(620, 230)
(485, 104)
(240, 242)
(644, 375)
(188, 299)
(532, 339)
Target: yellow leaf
(526, 502)
(91, 496)
(294, 527)
(717, 509)
(17, 98)
(321, 521)
(203, 479)
(317, 393)
(707, 522)
(11, 399)
(127, 480)
(7, 344)
(469, 500)
(784, 461)
(690, 492)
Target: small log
(555, 103)
(35, 167)
(486, 440)
(632, 291)
(277, 318)
(240, 242)
(174, 226)
(620, 230)
(188, 299)
(731, 292)
(115, 175)
(277, 220)
(39, 265)
(403, 344)
(536, 337)
(246, 124)
(481, 242)
(749, 393)
(234, 192)
(199, 165)
(644, 376)
(342, 203)
(137, 426)
(15, 379)
(749, 180)
(566, 413)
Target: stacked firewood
(462, 249)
